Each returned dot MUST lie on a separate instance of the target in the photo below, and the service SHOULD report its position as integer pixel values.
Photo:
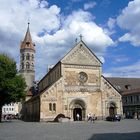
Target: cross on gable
(76, 40)
(80, 37)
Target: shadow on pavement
(116, 136)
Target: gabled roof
(132, 92)
(27, 42)
(111, 84)
(124, 84)
(81, 54)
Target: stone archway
(112, 109)
(78, 106)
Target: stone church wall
(51, 102)
(32, 109)
(110, 95)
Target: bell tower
(27, 62)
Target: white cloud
(118, 58)
(57, 33)
(110, 26)
(132, 37)
(77, 23)
(111, 23)
(132, 70)
(89, 5)
(129, 19)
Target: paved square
(100, 130)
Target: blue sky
(110, 28)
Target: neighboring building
(130, 90)
(12, 108)
(131, 103)
(75, 85)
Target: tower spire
(28, 37)
(27, 42)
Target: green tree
(12, 86)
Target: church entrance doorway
(77, 114)
(112, 109)
(78, 109)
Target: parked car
(113, 118)
(129, 117)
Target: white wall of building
(12, 108)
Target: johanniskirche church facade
(75, 85)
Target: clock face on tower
(82, 77)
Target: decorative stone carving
(80, 88)
(50, 99)
(71, 78)
(93, 78)
(81, 67)
(81, 55)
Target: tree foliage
(12, 86)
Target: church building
(75, 85)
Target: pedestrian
(88, 117)
(6, 117)
(92, 118)
(78, 117)
(138, 117)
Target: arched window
(54, 106)
(28, 56)
(50, 106)
(22, 66)
(22, 56)
(27, 65)
(32, 57)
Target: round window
(82, 77)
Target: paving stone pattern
(100, 130)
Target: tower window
(22, 56)
(32, 65)
(22, 65)
(27, 65)
(28, 56)
(32, 57)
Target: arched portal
(112, 109)
(78, 108)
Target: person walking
(78, 117)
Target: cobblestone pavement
(100, 130)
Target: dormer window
(128, 87)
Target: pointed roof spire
(28, 37)
(27, 42)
